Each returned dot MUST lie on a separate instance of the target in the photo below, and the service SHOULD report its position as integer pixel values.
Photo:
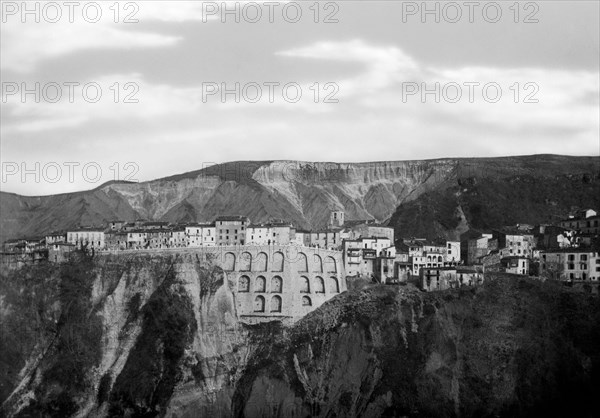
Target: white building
(92, 238)
(259, 234)
(199, 235)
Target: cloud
(538, 102)
(25, 45)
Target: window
(260, 284)
(583, 257)
(304, 285)
(276, 304)
(259, 304)
(244, 284)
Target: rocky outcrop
(512, 348)
(160, 336)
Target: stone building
(571, 264)
(426, 254)
(336, 219)
(177, 237)
(59, 252)
(137, 239)
(231, 230)
(116, 239)
(516, 242)
(200, 235)
(369, 257)
(442, 278)
(274, 233)
(515, 265)
(585, 221)
(281, 282)
(89, 237)
(54, 237)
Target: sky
(138, 90)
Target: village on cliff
(563, 251)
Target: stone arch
(276, 304)
(334, 286)
(229, 262)
(245, 261)
(319, 285)
(306, 301)
(304, 284)
(440, 259)
(244, 284)
(260, 284)
(302, 263)
(260, 263)
(331, 265)
(317, 264)
(428, 258)
(259, 304)
(276, 284)
(277, 261)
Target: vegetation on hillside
(489, 202)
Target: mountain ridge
(299, 191)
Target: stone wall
(281, 282)
(269, 282)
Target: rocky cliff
(142, 336)
(305, 192)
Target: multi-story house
(570, 264)
(369, 257)
(259, 234)
(441, 278)
(585, 221)
(177, 237)
(479, 247)
(209, 235)
(158, 237)
(89, 237)
(116, 239)
(425, 254)
(54, 237)
(200, 235)
(517, 243)
(137, 239)
(231, 230)
(515, 264)
(329, 239)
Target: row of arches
(260, 284)
(318, 285)
(433, 258)
(247, 262)
(275, 303)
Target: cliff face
(513, 348)
(160, 337)
(118, 336)
(304, 193)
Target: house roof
(232, 218)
